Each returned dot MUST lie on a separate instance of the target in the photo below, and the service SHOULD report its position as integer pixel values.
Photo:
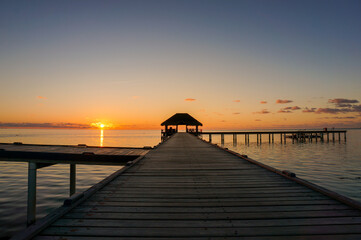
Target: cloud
(44, 125)
(263, 102)
(236, 113)
(342, 102)
(283, 101)
(189, 99)
(332, 110)
(264, 111)
(284, 111)
(338, 117)
(257, 120)
(309, 110)
(41, 97)
(236, 100)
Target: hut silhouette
(180, 119)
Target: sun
(101, 125)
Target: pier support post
(328, 137)
(339, 137)
(273, 138)
(210, 137)
(234, 139)
(257, 138)
(322, 137)
(316, 137)
(333, 137)
(293, 138)
(260, 139)
(248, 139)
(285, 137)
(269, 138)
(281, 137)
(72, 179)
(344, 135)
(222, 138)
(31, 211)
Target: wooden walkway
(190, 189)
(69, 153)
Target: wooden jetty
(40, 156)
(295, 136)
(190, 189)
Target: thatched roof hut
(180, 119)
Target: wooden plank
(119, 209)
(204, 232)
(217, 216)
(207, 223)
(299, 237)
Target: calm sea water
(336, 166)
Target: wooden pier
(191, 189)
(301, 136)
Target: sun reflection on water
(101, 137)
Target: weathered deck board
(189, 189)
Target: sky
(256, 64)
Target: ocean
(334, 165)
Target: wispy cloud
(309, 110)
(352, 109)
(343, 102)
(284, 111)
(339, 117)
(257, 120)
(283, 101)
(189, 99)
(41, 97)
(264, 111)
(237, 101)
(263, 102)
(236, 113)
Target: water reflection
(101, 137)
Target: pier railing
(295, 136)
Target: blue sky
(121, 61)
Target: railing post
(72, 179)
(31, 211)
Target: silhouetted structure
(180, 119)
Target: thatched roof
(181, 119)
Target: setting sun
(102, 125)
